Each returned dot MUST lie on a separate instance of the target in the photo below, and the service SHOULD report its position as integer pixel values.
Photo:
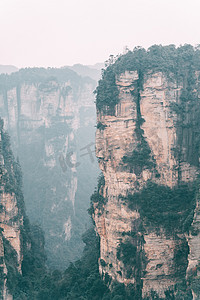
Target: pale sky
(65, 32)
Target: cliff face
(147, 146)
(50, 116)
(11, 217)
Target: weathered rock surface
(11, 216)
(116, 223)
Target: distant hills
(93, 71)
(8, 69)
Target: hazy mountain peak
(8, 69)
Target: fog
(62, 32)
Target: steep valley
(143, 234)
(50, 116)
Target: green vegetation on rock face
(140, 158)
(11, 179)
(101, 126)
(163, 207)
(107, 91)
(127, 252)
(10, 259)
(97, 199)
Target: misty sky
(65, 32)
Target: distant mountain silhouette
(8, 69)
(93, 71)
